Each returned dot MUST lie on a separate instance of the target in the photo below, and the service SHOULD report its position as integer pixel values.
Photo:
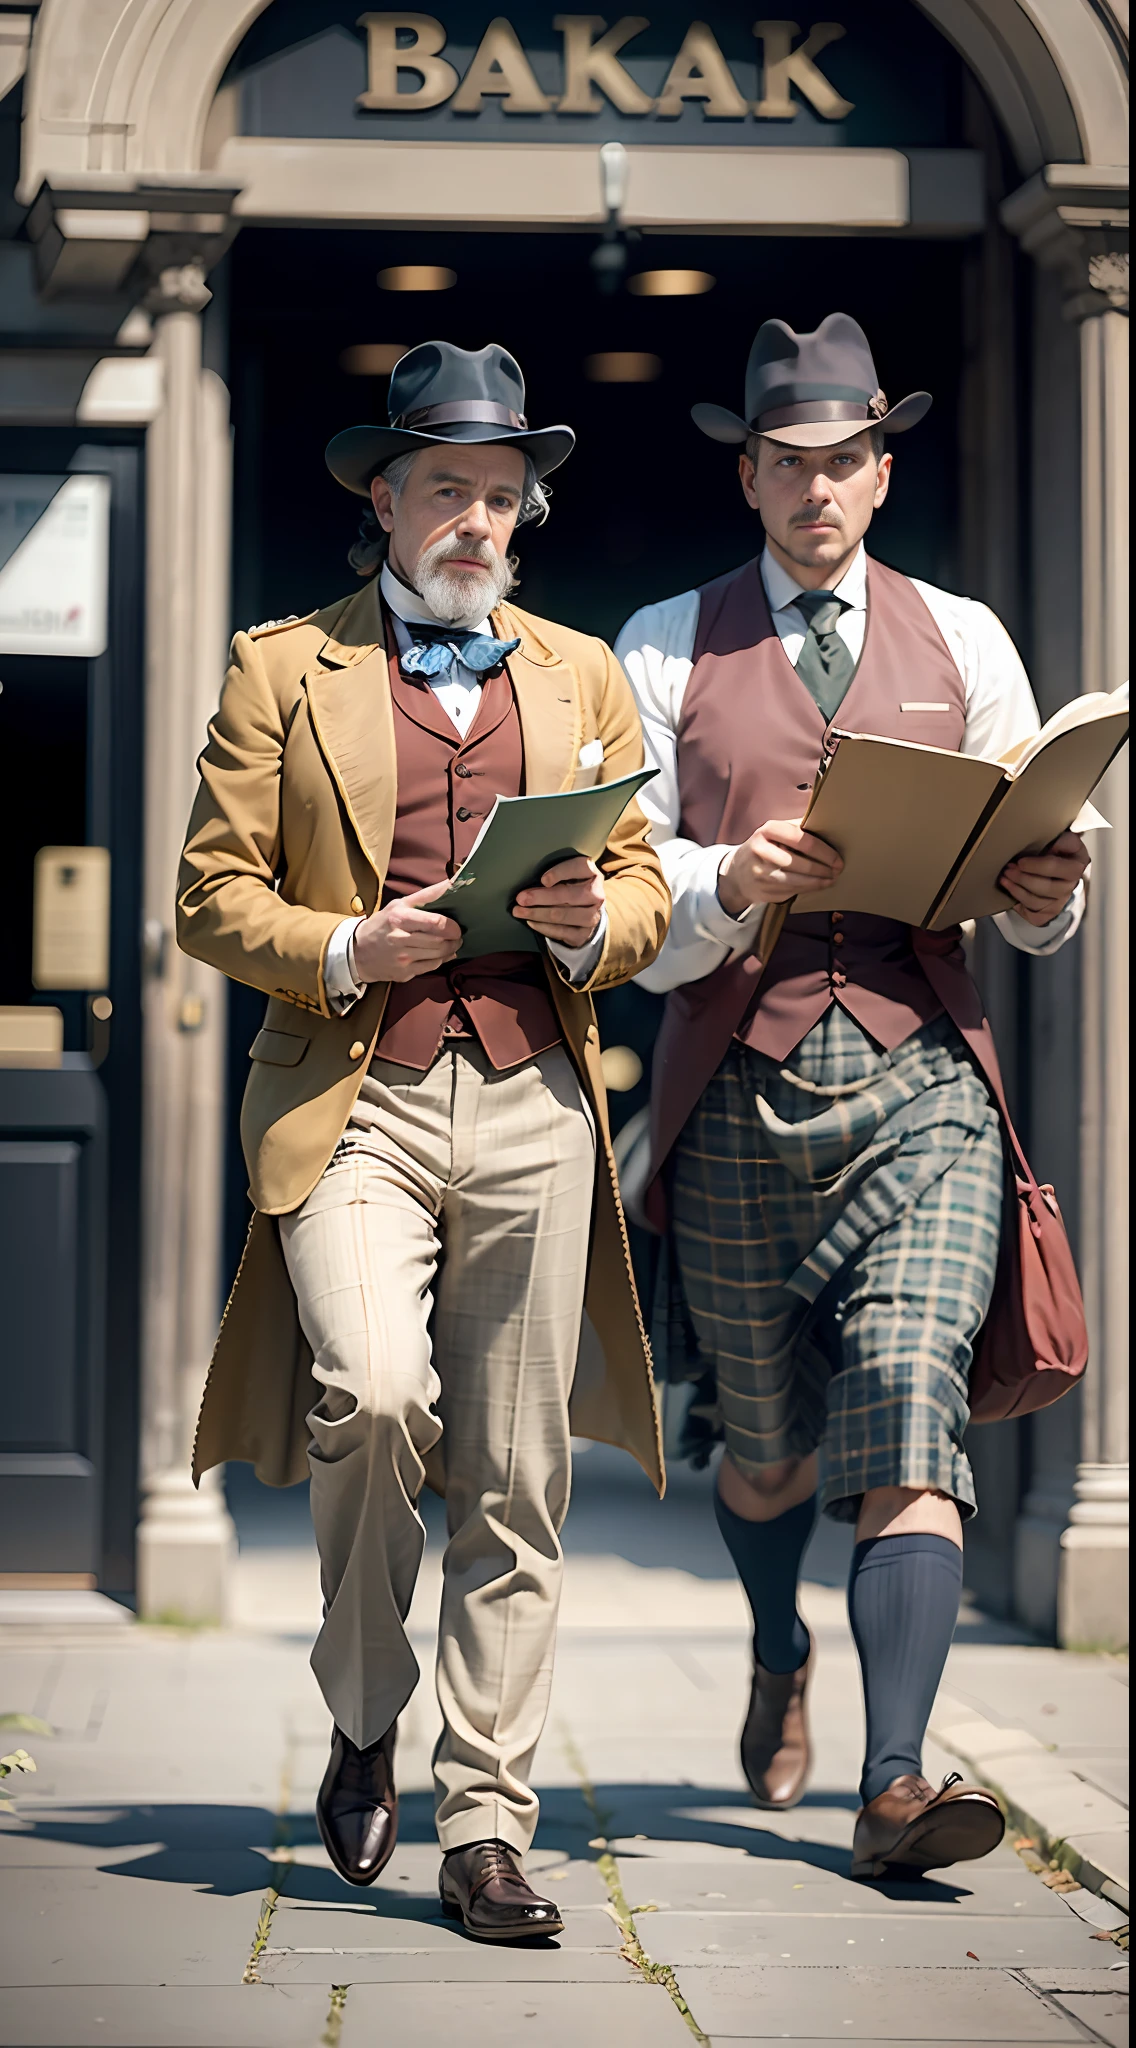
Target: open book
(521, 837)
(925, 834)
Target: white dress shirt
(656, 648)
(459, 694)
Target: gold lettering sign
(409, 46)
(700, 72)
(500, 70)
(386, 57)
(589, 62)
(784, 64)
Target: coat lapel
(549, 704)
(349, 701)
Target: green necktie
(827, 665)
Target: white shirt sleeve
(579, 963)
(1000, 711)
(343, 991)
(655, 650)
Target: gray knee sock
(903, 1602)
(768, 1559)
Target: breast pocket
(931, 722)
(589, 761)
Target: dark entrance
(71, 747)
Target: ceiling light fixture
(372, 358)
(417, 277)
(622, 366)
(671, 284)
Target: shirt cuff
(343, 990)
(711, 919)
(1043, 939)
(579, 963)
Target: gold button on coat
(357, 903)
(357, 1050)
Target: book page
(901, 815)
(1043, 798)
(1079, 711)
(522, 836)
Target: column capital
(180, 288)
(1073, 218)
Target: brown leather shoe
(357, 1806)
(776, 1755)
(912, 1827)
(485, 1888)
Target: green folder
(521, 838)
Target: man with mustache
(427, 1137)
(832, 1159)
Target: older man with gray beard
(422, 1133)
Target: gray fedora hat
(440, 394)
(811, 390)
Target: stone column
(1073, 220)
(1092, 1596)
(186, 1541)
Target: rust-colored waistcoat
(750, 740)
(446, 789)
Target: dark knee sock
(903, 1602)
(768, 1559)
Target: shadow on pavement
(222, 1850)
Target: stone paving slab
(122, 2016)
(89, 1927)
(998, 1889)
(874, 2004)
(1102, 2008)
(476, 2015)
(470, 1963)
(683, 1939)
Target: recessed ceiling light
(670, 284)
(623, 366)
(417, 277)
(372, 358)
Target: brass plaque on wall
(71, 918)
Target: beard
(460, 597)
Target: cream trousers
(439, 1269)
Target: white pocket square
(591, 755)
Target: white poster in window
(53, 581)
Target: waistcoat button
(356, 903)
(837, 916)
(356, 1051)
(461, 769)
(463, 814)
(838, 938)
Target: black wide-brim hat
(440, 394)
(811, 390)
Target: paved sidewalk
(163, 1884)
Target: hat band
(812, 412)
(481, 410)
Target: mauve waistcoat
(446, 789)
(750, 740)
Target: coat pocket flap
(279, 1048)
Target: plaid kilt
(836, 1225)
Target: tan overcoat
(291, 832)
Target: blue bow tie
(434, 650)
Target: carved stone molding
(123, 234)
(1073, 218)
